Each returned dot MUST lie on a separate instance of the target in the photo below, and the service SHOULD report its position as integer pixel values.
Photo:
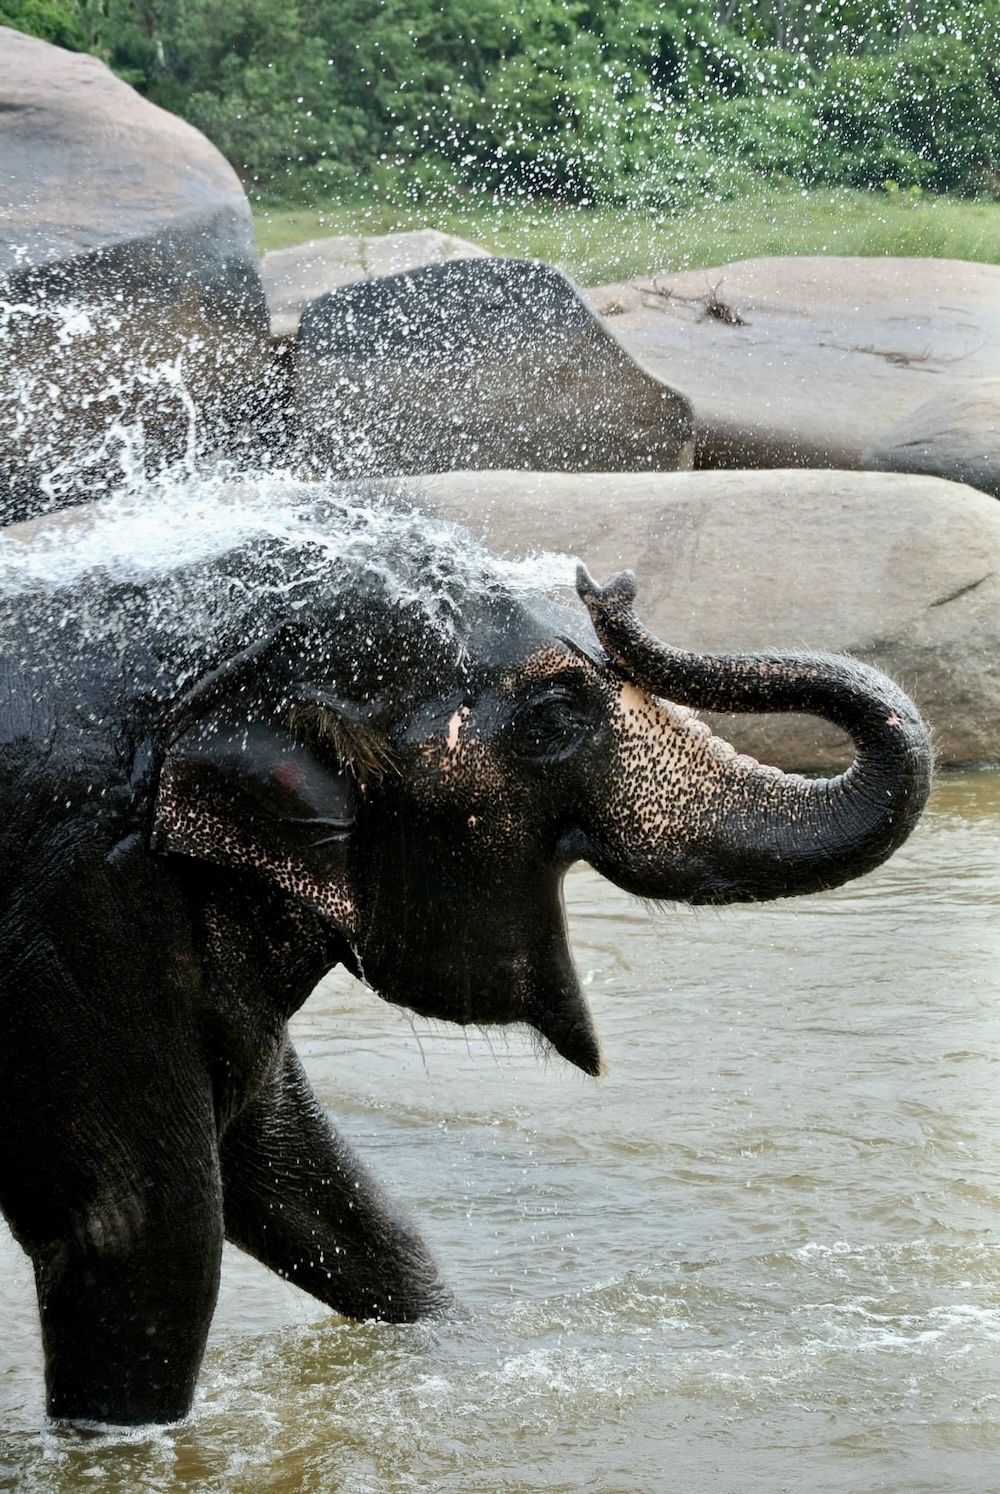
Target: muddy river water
(762, 1254)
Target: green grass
(599, 246)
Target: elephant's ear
(276, 795)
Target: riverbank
(598, 246)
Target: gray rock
(133, 325)
(901, 571)
(955, 435)
(475, 364)
(299, 274)
(803, 362)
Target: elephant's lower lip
(583, 1051)
(564, 1021)
(474, 1010)
(570, 1032)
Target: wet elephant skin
(222, 778)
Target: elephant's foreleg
(299, 1200)
(125, 1307)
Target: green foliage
(820, 29)
(651, 102)
(924, 114)
(58, 21)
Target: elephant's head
(427, 798)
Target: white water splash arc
(154, 527)
(110, 432)
(101, 407)
(109, 381)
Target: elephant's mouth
(563, 1019)
(541, 992)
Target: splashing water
(131, 455)
(150, 527)
(170, 576)
(81, 418)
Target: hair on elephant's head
(424, 781)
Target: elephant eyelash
(357, 746)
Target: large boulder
(803, 362)
(473, 364)
(133, 326)
(302, 272)
(954, 435)
(901, 571)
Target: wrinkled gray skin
(220, 782)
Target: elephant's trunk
(690, 818)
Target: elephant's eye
(552, 723)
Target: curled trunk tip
(621, 589)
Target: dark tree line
(648, 101)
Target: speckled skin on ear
(220, 780)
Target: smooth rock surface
(295, 276)
(475, 364)
(955, 435)
(133, 326)
(901, 571)
(803, 362)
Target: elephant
(254, 737)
